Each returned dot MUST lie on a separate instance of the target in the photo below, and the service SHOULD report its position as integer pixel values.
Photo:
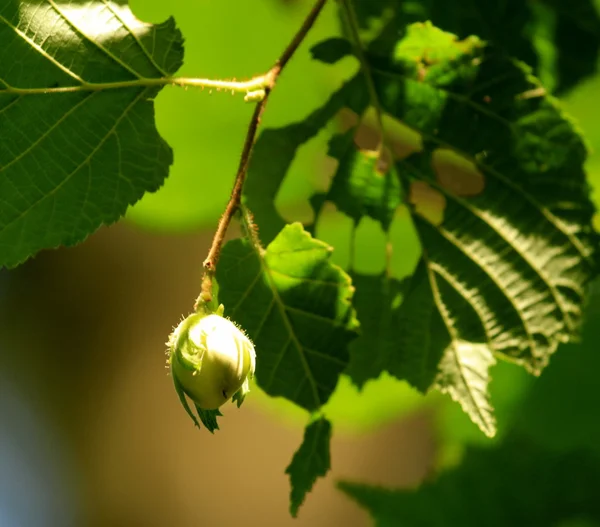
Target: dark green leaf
(576, 25)
(331, 50)
(295, 306)
(501, 204)
(377, 301)
(515, 484)
(499, 196)
(310, 461)
(401, 332)
(560, 409)
(74, 159)
(559, 39)
(432, 352)
(511, 243)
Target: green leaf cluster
(447, 115)
(517, 483)
(498, 196)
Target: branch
(352, 22)
(210, 264)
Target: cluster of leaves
(489, 166)
(492, 171)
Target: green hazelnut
(211, 359)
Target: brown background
(86, 333)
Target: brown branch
(210, 264)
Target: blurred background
(92, 432)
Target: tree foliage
(514, 484)
(469, 138)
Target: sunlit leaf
(75, 148)
(295, 306)
(365, 184)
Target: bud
(255, 96)
(211, 359)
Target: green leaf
(515, 484)
(364, 183)
(400, 330)
(500, 202)
(310, 461)
(295, 306)
(464, 376)
(575, 28)
(377, 301)
(504, 168)
(405, 335)
(331, 50)
(569, 387)
(77, 137)
(559, 39)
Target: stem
(388, 254)
(250, 229)
(254, 84)
(210, 264)
(352, 22)
(352, 249)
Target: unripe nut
(211, 358)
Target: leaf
(183, 400)
(501, 205)
(310, 461)
(569, 387)
(559, 39)
(364, 184)
(576, 26)
(405, 335)
(331, 50)
(400, 330)
(515, 484)
(464, 375)
(77, 137)
(295, 306)
(377, 301)
(522, 250)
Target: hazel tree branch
(211, 261)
